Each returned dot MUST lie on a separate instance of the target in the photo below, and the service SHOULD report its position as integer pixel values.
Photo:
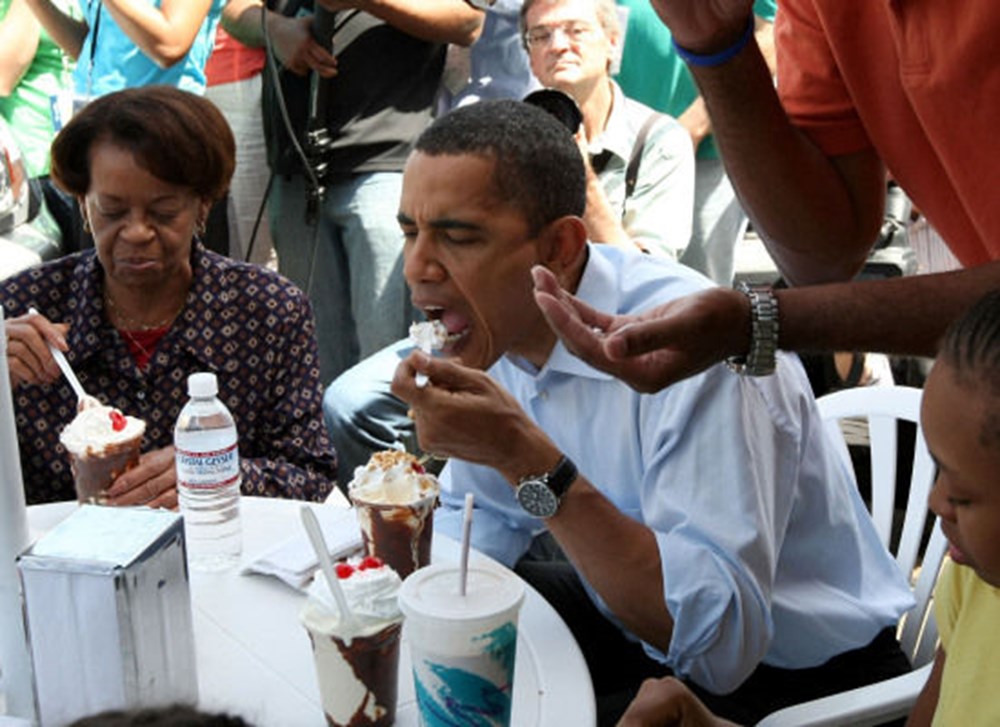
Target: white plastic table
(254, 657)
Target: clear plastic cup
(463, 648)
(398, 534)
(94, 471)
(357, 678)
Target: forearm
(67, 32)
(818, 217)
(622, 565)
(163, 33)
(922, 714)
(904, 315)
(19, 32)
(695, 119)
(279, 478)
(439, 21)
(242, 20)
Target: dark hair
(173, 716)
(176, 136)
(971, 347)
(538, 167)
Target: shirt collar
(598, 288)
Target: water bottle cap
(202, 385)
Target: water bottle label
(208, 470)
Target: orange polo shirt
(918, 80)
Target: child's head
(961, 420)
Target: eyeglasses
(575, 31)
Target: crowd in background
(683, 145)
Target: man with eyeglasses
(572, 46)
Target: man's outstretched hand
(655, 348)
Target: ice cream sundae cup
(102, 444)
(395, 499)
(357, 660)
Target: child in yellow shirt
(961, 418)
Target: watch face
(537, 499)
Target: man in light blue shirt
(710, 527)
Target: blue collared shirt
(767, 551)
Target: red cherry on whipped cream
(418, 468)
(118, 422)
(369, 562)
(344, 570)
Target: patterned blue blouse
(249, 325)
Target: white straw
(463, 567)
(326, 566)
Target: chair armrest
(869, 705)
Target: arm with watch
(670, 342)
(467, 415)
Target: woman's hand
(153, 482)
(28, 356)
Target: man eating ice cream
(710, 529)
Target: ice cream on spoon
(428, 336)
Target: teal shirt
(27, 110)
(117, 62)
(653, 73)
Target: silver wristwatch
(481, 4)
(540, 495)
(761, 359)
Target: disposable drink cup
(94, 471)
(357, 677)
(399, 534)
(462, 647)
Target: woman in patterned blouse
(149, 305)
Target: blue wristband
(716, 59)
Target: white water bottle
(208, 477)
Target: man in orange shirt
(864, 87)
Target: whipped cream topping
(371, 594)
(96, 428)
(428, 335)
(393, 478)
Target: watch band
(561, 476)
(762, 357)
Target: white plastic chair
(893, 698)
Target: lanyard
(93, 43)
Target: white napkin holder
(107, 610)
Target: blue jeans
(361, 414)
(350, 264)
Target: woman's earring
(201, 228)
(86, 224)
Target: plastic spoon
(315, 534)
(84, 399)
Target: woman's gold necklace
(131, 324)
